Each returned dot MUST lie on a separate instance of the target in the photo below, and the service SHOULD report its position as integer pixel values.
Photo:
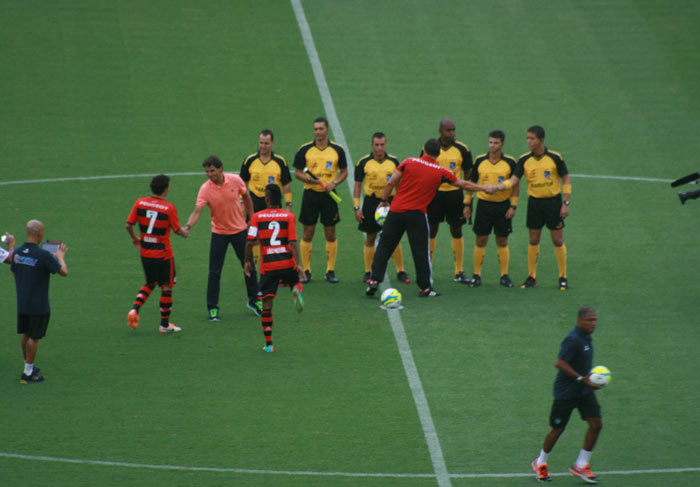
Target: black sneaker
(563, 284)
(403, 277)
(306, 278)
(255, 307)
(529, 282)
(33, 378)
(461, 278)
(330, 277)
(475, 281)
(505, 281)
(214, 314)
(428, 293)
(366, 277)
(372, 287)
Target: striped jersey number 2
(153, 215)
(275, 226)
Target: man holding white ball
(573, 389)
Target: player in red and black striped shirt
(155, 217)
(276, 231)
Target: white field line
(186, 468)
(421, 401)
(340, 139)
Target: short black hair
(267, 132)
(498, 134)
(274, 195)
(378, 135)
(159, 184)
(538, 131)
(322, 119)
(432, 147)
(584, 310)
(212, 161)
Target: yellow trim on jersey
(376, 173)
(452, 159)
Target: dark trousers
(217, 253)
(415, 223)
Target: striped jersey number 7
(153, 215)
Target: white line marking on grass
(105, 463)
(397, 327)
(341, 139)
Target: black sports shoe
(306, 278)
(366, 277)
(31, 379)
(529, 282)
(475, 281)
(403, 277)
(563, 284)
(330, 277)
(505, 281)
(461, 278)
(214, 314)
(372, 287)
(428, 293)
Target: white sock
(28, 368)
(584, 458)
(542, 458)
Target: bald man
(32, 266)
(448, 203)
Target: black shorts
(314, 203)
(34, 326)
(587, 406)
(492, 215)
(258, 202)
(159, 271)
(369, 206)
(267, 287)
(544, 211)
(447, 205)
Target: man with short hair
(262, 168)
(417, 180)
(223, 194)
(32, 267)
(155, 217)
(372, 172)
(549, 191)
(275, 229)
(326, 161)
(494, 211)
(448, 203)
(573, 389)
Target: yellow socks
(560, 254)
(533, 251)
(305, 250)
(331, 254)
(479, 253)
(504, 258)
(458, 252)
(369, 256)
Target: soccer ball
(600, 375)
(380, 215)
(391, 298)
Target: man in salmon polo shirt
(223, 194)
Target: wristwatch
(566, 202)
(579, 378)
(355, 208)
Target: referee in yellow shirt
(549, 191)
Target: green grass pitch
(97, 88)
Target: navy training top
(577, 351)
(33, 266)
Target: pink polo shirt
(227, 216)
